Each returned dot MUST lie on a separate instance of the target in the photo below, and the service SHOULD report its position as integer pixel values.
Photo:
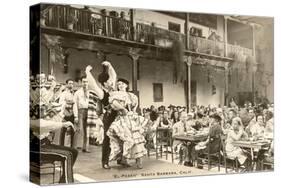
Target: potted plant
(43, 17)
(219, 52)
(142, 36)
(71, 20)
(97, 24)
(123, 29)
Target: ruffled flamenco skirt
(126, 139)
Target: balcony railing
(86, 21)
(102, 24)
(207, 46)
(150, 34)
(234, 49)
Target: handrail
(86, 21)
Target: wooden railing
(150, 34)
(234, 49)
(86, 21)
(207, 46)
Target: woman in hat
(121, 123)
(237, 133)
(127, 126)
(212, 143)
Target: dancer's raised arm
(92, 83)
(111, 73)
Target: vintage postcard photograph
(128, 94)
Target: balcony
(150, 34)
(102, 24)
(85, 21)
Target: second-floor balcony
(110, 25)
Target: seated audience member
(269, 127)
(185, 148)
(67, 116)
(257, 130)
(143, 111)
(228, 124)
(171, 110)
(199, 122)
(40, 129)
(190, 120)
(237, 133)
(153, 113)
(219, 112)
(213, 140)
(149, 131)
(165, 121)
(175, 117)
(179, 109)
(252, 117)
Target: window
(158, 92)
(174, 27)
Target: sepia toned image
(128, 94)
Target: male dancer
(107, 79)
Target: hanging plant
(54, 44)
(43, 17)
(210, 72)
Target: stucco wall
(151, 71)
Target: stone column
(186, 31)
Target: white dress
(234, 151)
(126, 131)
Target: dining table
(194, 138)
(253, 146)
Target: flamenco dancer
(107, 80)
(123, 127)
(127, 127)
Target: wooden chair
(211, 156)
(267, 161)
(163, 140)
(234, 162)
(149, 143)
(44, 167)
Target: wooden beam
(82, 41)
(133, 23)
(189, 63)
(135, 58)
(225, 37)
(186, 31)
(109, 45)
